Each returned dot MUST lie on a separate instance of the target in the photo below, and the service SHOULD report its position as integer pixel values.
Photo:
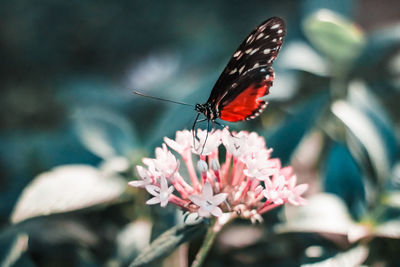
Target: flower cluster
(248, 183)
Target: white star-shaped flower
(145, 175)
(161, 194)
(182, 142)
(207, 202)
(206, 142)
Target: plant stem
(207, 244)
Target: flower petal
(203, 213)
(216, 212)
(198, 200)
(141, 171)
(152, 201)
(152, 189)
(164, 202)
(139, 183)
(174, 145)
(300, 189)
(170, 190)
(164, 184)
(207, 192)
(218, 199)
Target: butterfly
(247, 77)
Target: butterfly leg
(205, 141)
(194, 125)
(223, 126)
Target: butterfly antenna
(161, 99)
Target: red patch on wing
(245, 104)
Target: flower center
(208, 205)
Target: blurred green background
(67, 71)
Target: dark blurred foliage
(72, 130)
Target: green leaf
(366, 132)
(324, 213)
(336, 37)
(301, 56)
(105, 133)
(12, 247)
(352, 257)
(389, 229)
(167, 242)
(392, 199)
(67, 188)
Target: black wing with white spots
(254, 58)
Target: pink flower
(275, 189)
(258, 165)
(235, 145)
(161, 194)
(145, 175)
(247, 183)
(295, 191)
(207, 202)
(182, 141)
(165, 162)
(206, 142)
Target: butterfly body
(236, 96)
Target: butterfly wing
(248, 75)
(243, 102)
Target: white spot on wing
(248, 50)
(253, 51)
(249, 39)
(275, 26)
(232, 71)
(237, 53)
(259, 36)
(241, 69)
(279, 31)
(266, 51)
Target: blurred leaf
(114, 165)
(345, 181)
(105, 133)
(394, 70)
(12, 247)
(287, 136)
(167, 242)
(335, 36)
(57, 230)
(177, 117)
(343, 7)
(363, 128)
(154, 70)
(67, 188)
(325, 213)
(392, 199)
(389, 229)
(362, 98)
(380, 43)
(352, 257)
(286, 86)
(132, 239)
(298, 55)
